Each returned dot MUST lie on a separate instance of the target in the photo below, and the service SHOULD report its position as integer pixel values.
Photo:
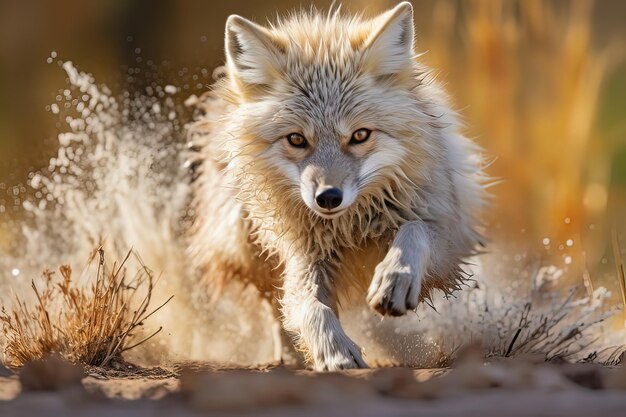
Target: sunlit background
(541, 85)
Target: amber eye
(297, 140)
(360, 136)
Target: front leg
(309, 311)
(397, 281)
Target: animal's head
(324, 103)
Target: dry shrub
(551, 333)
(539, 318)
(91, 325)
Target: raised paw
(394, 289)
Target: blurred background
(541, 85)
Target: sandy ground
(473, 388)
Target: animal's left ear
(389, 47)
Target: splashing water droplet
(116, 179)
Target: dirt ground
(472, 388)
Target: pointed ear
(389, 47)
(253, 54)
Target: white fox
(327, 159)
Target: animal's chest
(356, 266)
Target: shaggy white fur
(280, 127)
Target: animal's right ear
(253, 55)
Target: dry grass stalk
(88, 325)
(619, 265)
(547, 333)
(540, 320)
(552, 325)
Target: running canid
(328, 158)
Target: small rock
(617, 379)
(52, 373)
(5, 372)
(586, 375)
(395, 382)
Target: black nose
(330, 198)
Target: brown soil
(472, 388)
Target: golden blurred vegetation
(541, 84)
(531, 84)
(531, 76)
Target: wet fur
(414, 222)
